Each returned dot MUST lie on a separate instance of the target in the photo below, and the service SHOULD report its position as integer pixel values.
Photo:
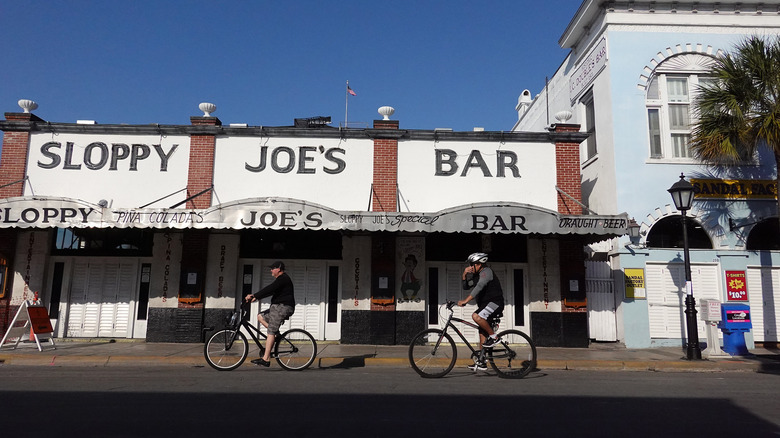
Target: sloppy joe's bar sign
(286, 213)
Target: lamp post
(682, 195)
(633, 230)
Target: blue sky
(452, 64)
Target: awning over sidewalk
(285, 213)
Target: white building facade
(630, 80)
(156, 232)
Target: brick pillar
(13, 163)
(567, 167)
(195, 242)
(385, 196)
(13, 167)
(201, 171)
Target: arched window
(668, 233)
(765, 235)
(670, 93)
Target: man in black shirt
(282, 295)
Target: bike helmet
(477, 257)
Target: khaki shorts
(276, 315)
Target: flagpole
(346, 104)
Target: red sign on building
(736, 286)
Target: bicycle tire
(514, 356)
(295, 350)
(432, 353)
(226, 350)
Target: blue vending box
(735, 321)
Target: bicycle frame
(449, 324)
(253, 331)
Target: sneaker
(490, 342)
(261, 362)
(478, 366)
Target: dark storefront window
(433, 295)
(667, 233)
(3, 275)
(455, 247)
(291, 244)
(764, 236)
(102, 242)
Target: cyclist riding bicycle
(489, 296)
(282, 307)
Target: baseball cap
(277, 264)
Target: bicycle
(433, 353)
(228, 348)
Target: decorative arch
(663, 230)
(683, 57)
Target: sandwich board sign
(36, 323)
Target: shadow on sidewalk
(346, 362)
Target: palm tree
(739, 110)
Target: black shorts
(490, 310)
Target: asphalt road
(174, 401)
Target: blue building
(630, 80)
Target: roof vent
(312, 122)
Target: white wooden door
(116, 304)
(600, 290)
(310, 282)
(450, 275)
(101, 298)
(764, 294)
(666, 297)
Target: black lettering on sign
(284, 159)
(96, 155)
(446, 163)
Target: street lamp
(633, 229)
(682, 195)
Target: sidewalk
(599, 356)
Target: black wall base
(175, 325)
(380, 327)
(550, 329)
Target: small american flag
(350, 91)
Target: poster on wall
(635, 283)
(410, 253)
(736, 286)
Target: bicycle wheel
(432, 353)
(226, 350)
(514, 356)
(295, 350)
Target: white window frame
(590, 149)
(662, 104)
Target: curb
(397, 362)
